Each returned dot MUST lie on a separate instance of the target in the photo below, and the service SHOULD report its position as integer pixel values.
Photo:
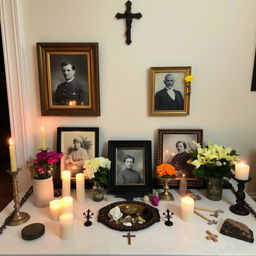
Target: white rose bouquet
(96, 169)
(213, 161)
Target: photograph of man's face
(130, 167)
(176, 151)
(69, 79)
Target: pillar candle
(183, 185)
(67, 204)
(187, 208)
(80, 187)
(66, 226)
(65, 176)
(43, 138)
(242, 171)
(55, 209)
(12, 156)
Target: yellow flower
(189, 78)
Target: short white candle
(12, 156)
(67, 204)
(66, 226)
(80, 187)
(55, 209)
(187, 208)
(66, 175)
(43, 138)
(242, 171)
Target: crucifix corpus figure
(128, 16)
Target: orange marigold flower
(165, 169)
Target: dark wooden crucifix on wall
(128, 16)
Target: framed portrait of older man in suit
(69, 78)
(169, 91)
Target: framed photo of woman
(175, 147)
(131, 170)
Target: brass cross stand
(17, 217)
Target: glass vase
(97, 192)
(214, 188)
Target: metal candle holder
(17, 217)
(239, 208)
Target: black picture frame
(141, 153)
(89, 136)
(167, 153)
(76, 93)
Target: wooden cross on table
(129, 237)
(211, 236)
(128, 16)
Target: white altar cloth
(183, 238)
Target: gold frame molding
(155, 73)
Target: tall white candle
(242, 171)
(67, 204)
(187, 208)
(80, 187)
(66, 175)
(12, 156)
(66, 226)
(183, 185)
(55, 209)
(43, 138)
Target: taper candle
(183, 185)
(242, 171)
(66, 226)
(67, 204)
(187, 208)
(43, 138)
(65, 176)
(80, 187)
(55, 209)
(12, 156)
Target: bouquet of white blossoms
(213, 161)
(96, 169)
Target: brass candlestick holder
(166, 195)
(17, 217)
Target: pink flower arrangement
(42, 166)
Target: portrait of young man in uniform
(69, 80)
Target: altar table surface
(183, 238)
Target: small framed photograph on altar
(169, 92)
(77, 144)
(131, 169)
(69, 79)
(175, 147)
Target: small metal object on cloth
(129, 237)
(210, 222)
(211, 236)
(215, 212)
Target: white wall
(217, 38)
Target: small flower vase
(214, 188)
(97, 192)
(166, 195)
(43, 191)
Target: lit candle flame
(10, 141)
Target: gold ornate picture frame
(69, 79)
(169, 93)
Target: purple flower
(41, 170)
(155, 200)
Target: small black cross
(129, 237)
(168, 215)
(128, 15)
(88, 215)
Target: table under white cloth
(183, 238)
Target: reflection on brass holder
(17, 217)
(166, 195)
